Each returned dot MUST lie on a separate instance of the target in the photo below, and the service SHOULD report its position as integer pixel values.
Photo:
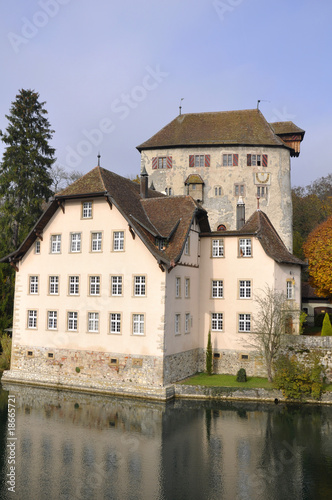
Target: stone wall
(181, 365)
(83, 367)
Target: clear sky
(113, 73)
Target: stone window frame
(116, 284)
(262, 191)
(229, 159)
(139, 286)
(177, 323)
(245, 250)
(87, 212)
(110, 320)
(187, 287)
(33, 317)
(56, 243)
(75, 244)
(57, 284)
(244, 289)
(217, 287)
(48, 319)
(94, 287)
(93, 320)
(239, 189)
(68, 319)
(178, 287)
(221, 245)
(139, 322)
(117, 240)
(244, 321)
(76, 284)
(92, 241)
(218, 191)
(33, 286)
(218, 319)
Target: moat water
(73, 446)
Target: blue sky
(113, 73)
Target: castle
(118, 284)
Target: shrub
(296, 379)
(326, 327)
(6, 347)
(241, 375)
(319, 318)
(209, 355)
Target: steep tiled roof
(154, 217)
(244, 127)
(260, 225)
(281, 128)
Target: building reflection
(77, 446)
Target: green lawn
(228, 381)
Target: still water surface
(71, 446)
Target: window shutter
(154, 162)
(207, 160)
(169, 162)
(264, 160)
(249, 160)
(191, 161)
(235, 160)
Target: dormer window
(160, 242)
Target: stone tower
(227, 160)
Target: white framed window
(56, 243)
(187, 323)
(87, 210)
(217, 289)
(32, 319)
(116, 286)
(245, 247)
(115, 322)
(139, 286)
(53, 285)
(187, 246)
(217, 322)
(96, 239)
(290, 290)
(177, 323)
(245, 289)
(75, 242)
(37, 246)
(74, 285)
(118, 241)
(218, 248)
(244, 322)
(52, 320)
(187, 288)
(177, 287)
(93, 322)
(94, 285)
(72, 321)
(33, 285)
(138, 324)
(256, 160)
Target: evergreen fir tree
(209, 361)
(326, 327)
(25, 170)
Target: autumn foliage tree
(318, 251)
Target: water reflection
(74, 446)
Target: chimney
(144, 183)
(240, 213)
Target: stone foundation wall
(81, 367)
(181, 365)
